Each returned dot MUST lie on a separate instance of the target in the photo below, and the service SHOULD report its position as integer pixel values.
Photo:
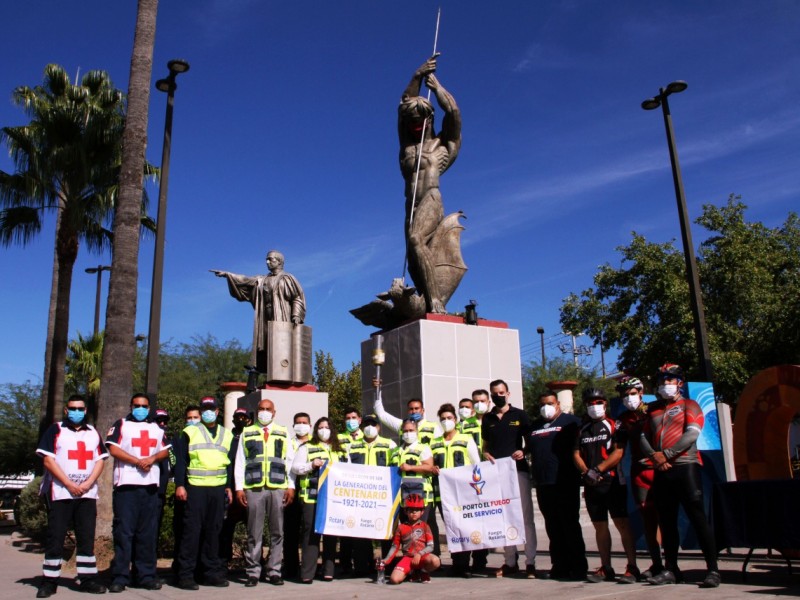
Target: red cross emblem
(144, 443)
(81, 454)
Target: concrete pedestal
(441, 360)
(233, 390)
(563, 391)
(288, 402)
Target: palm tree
(120, 335)
(83, 368)
(67, 161)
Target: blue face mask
(192, 422)
(140, 413)
(209, 416)
(416, 417)
(352, 425)
(76, 416)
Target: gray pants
(526, 497)
(261, 504)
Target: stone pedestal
(441, 360)
(288, 401)
(288, 356)
(233, 390)
(563, 390)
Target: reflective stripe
(51, 567)
(205, 447)
(202, 473)
(86, 565)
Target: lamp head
(651, 104)
(177, 65)
(676, 87)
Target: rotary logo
(379, 524)
(457, 508)
(512, 533)
(350, 522)
(475, 537)
(477, 480)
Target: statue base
(440, 359)
(288, 356)
(288, 401)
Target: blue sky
(285, 137)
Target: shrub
(32, 512)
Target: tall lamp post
(540, 331)
(169, 86)
(701, 336)
(99, 270)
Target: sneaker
(601, 574)
(251, 581)
(413, 577)
(91, 586)
(47, 589)
(632, 575)
(712, 580)
(424, 577)
(530, 571)
(665, 577)
(506, 571)
(652, 571)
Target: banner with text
(357, 501)
(481, 506)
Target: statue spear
(421, 142)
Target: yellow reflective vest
(472, 427)
(310, 481)
(376, 454)
(265, 462)
(208, 456)
(449, 454)
(413, 483)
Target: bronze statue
(277, 296)
(433, 251)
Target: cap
(161, 414)
(208, 402)
(240, 411)
(370, 420)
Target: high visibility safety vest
(413, 483)
(345, 439)
(376, 454)
(426, 431)
(471, 427)
(265, 462)
(310, 481)
(449, 454)
(208, 457)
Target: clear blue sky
(285, 137)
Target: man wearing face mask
(293, 514)
(203, 480)
(426, 430)
(642, 472)
(137, 445)
(376, 451)
(415, 462)
(599, 448)
(264, 486)
(469, 423)
(352, 428)
(73, 456)
(191, 417)
(504, 432)
(669, 438)
(235, 512)
(550, 444)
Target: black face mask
(499, 401)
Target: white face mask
(596, 411)
(370, 431)
(667, 391)
(632, 402)
(464, 412)
(481, 408)
(548, 411)
(301, 429)
(409, 437)
(448, 425)
(265, 417)
(324, 434)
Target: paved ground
(20, 570)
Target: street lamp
(540, 331)
(701, 337)
(169, 86)
(99, 270)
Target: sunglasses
(78, 408)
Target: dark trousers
(82, 513)
(311, 541)
(235, 514)
(292, 523)
(134, 526)
(561, 505)
(202, 521)
(682, 485)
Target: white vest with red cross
(139, 439)
(76, 452)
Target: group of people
(262, 473)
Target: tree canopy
(19, 424)
(750, 282)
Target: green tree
(119, 345)
(19, 422)
(83, 369)
(751, 290)
(343, 388)
(535, 379)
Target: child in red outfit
(415, 540)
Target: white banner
(357, 501)
(481, 506)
